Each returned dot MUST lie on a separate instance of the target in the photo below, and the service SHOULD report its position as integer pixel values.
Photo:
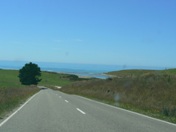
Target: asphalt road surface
(53, 111)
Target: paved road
(53, 111)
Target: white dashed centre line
(81, 111)
(66, 101)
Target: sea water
(82, 70)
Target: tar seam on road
(8, 118)
(66, 101)
(81, 111)
(152, 118)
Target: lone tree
(29, 74)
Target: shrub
(29, 74)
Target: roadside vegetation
(151, 92)
(12, 93)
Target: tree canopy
(30, 74)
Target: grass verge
(12, 93)
(12, 97)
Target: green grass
(9, 78)
(131, 73)
(146, 91)
(51, 79)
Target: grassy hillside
(52, 79)
(8, 78)
(133, 73)
(147, 91)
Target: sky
(111, 32)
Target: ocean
(83, 70)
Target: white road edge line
(66, 101)
(152, 118)
(8, 118)
(81, 111)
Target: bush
(169, 111)
(73, 77)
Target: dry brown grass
(11, 97)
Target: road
(54, 111)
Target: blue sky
(113, 32)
